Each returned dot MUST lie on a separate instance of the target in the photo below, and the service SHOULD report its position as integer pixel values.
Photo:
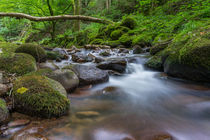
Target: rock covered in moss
(129, 22)
(18, 63)
(137, 49)
(51, 55)
(159, 47)
(40, 96)
(4, 113)
(116, 34)
(126, 40)
(190, 59)
(193, 65)
(35, 50)
(67, 78)
(155, 63)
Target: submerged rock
(18, 123)
(89, 74)
(4, 113)
(40, 96)
(30, 133)
(116, 64)
(87, 114)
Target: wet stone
(18, 123)
(163, 137)
(87, 114)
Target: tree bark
(77, 10)
(55, 18)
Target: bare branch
(59, 17)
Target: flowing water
(139, 105)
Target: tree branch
(59, 17)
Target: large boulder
(19, 63)
(4, 113)
(35, 50)
(189, 56)
(40, 96)
(192, 65)
(67, 78)
(116, 64)
(89, 74)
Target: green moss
(44, 97)
(51, 55)
(162, 37)
(43, 72)
(18, 63)
(143, 39)
(97, 41)
(196, 53)
(126, 40)
(36, 51)
(7, 49)
(159, 47)
(113, 44)
(129, 22)
(3, 106)
(155, 63)
(115, 35)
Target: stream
(139, 105)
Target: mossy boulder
(67, 78)
(40, 96)
(7, 49)
(97, 41)
(155, 63)
(35, 50)
(129, 22)
(126, 40)
(112, 44)
(115, 35)
(189, 57)
(159, 47)
(18, 63)
(51, 55)
(4, 113)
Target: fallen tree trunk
(59, 17)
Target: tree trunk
(56, 18)
(77, 9)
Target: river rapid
(142, 104)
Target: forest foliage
(153, 21)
